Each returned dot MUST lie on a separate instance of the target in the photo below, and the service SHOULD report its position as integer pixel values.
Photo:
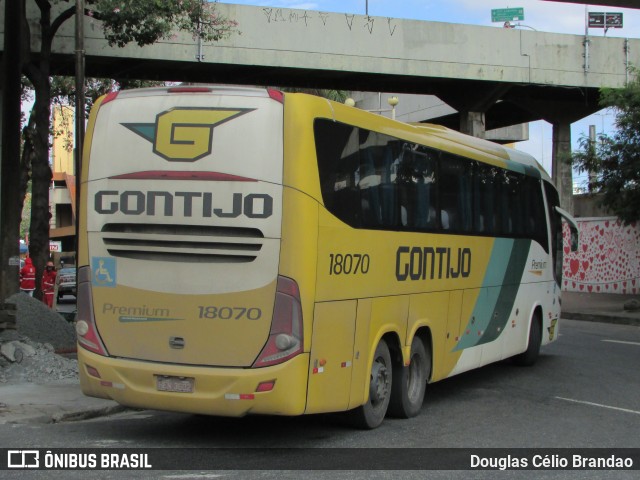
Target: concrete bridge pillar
(562, 173)
(473, 123)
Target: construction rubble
(37, 350)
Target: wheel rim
(379, 387)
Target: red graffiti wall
(607, 260)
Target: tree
(335, 95)
(62, 94)
(123, 21)
(615, 159)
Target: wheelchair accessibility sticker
(104, 271)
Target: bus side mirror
(573, 228)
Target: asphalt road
(584, 392)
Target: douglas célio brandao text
(550, 462)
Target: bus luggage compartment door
(331, 356)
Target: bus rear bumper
(216, 391)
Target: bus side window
(338, 164)
(369, 186)
(456, 194)
(485, 199)
(415, 180)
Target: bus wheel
(530, 355)
(410, 383)
(371, 414)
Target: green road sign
(507, 14)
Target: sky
(540, 15)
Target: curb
(601, 318)
(86, 414)
(69, 416)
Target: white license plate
(166, 383)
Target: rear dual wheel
(371, 414)
(394, 388)
(410, 382)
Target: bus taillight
(88, 336)
(285, 338)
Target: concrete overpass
(510, 75)
(607, 3)
(493, 77)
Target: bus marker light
(93, 372)
(239, 396)
(119, 386)
(265, 386)
(189, 90)
(276, 95)
(110, 97)
(318, 370)
(345, 364)
(323, 362)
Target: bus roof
(485, 146)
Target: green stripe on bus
(498, 293)
(509, 291)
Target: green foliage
(336, 95)
(63, 89)
(615, 159)
(25, 221)
(145, 22)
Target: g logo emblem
(184, 134)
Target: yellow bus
(248, 251)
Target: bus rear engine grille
(182, 243)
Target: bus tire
(530, 355)
(410, 383)
(371, 414)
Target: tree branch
(63, 17)
(32, 72)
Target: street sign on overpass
(605, 20)
(507, 14)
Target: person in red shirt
(48, 284)
(28, 277)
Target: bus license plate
(166, 383)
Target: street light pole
(392, 101)
(80, 101)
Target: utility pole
(79, 113)
(10, 165)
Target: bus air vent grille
(182, 243)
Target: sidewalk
(63, 401)
(50, 403)
(599, 307)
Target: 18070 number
(348, 263)
(229, 313)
